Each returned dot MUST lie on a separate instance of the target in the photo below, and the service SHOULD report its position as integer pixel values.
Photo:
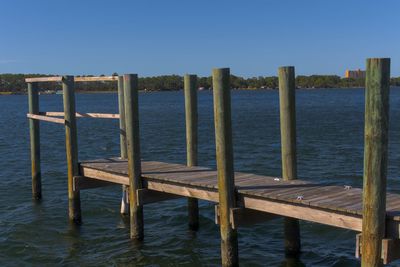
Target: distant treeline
(16, 83)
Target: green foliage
(16, 83)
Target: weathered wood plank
(45, 118)
(82, 115)
(44, 79)
(96, 79)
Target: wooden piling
(122, 142)
(190, 89)
(34, 131)
(375, 159)
(224, 154)
(133, 152)
(287, 104)
(71, 143)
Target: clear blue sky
(149, 37)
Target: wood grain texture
(262, 193)
(131, 102)
(224, 155)
(82, 115)
(375, 159)
(45, 118)
(96, 79)
(71, 145)
(287, 107)
(34, 133)
(44, 79)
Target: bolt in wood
(225, 170)
(375, 159)
(122, 142)
(71, 143)
(133, 153)
(190, 89)
(34, 131)
(287, 104)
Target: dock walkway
(334, 205)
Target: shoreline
(151, 91)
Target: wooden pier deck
(339, 206)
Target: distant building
(355, 74)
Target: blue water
(330, 148)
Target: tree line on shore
(15, 83)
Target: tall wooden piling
(133, 152)
(34, 131)
(71, 143)
(224, 153)
(190, 89)
(122, 141)
(375, 159)
(287, 104)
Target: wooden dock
(339, 206)
(241, 198)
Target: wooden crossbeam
(44, 79)
(245, 217)
(45, 118)
(96, 79)
(82, 115)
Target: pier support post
(122, 142)
(224, 153)
(133, 153)
(190, 89)
(71, 144)
(287, 105)
(34, 132)
(375, 159)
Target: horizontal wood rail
(83, 115)
(96, 79)
(76, 79)
(44, 79)
(45, 118)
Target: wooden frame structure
(145, 182)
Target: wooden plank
(81, 183)
(341, 220)
(186, 191)
(96, 79)
(82, 115)
(44, 79)
(45, 118)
